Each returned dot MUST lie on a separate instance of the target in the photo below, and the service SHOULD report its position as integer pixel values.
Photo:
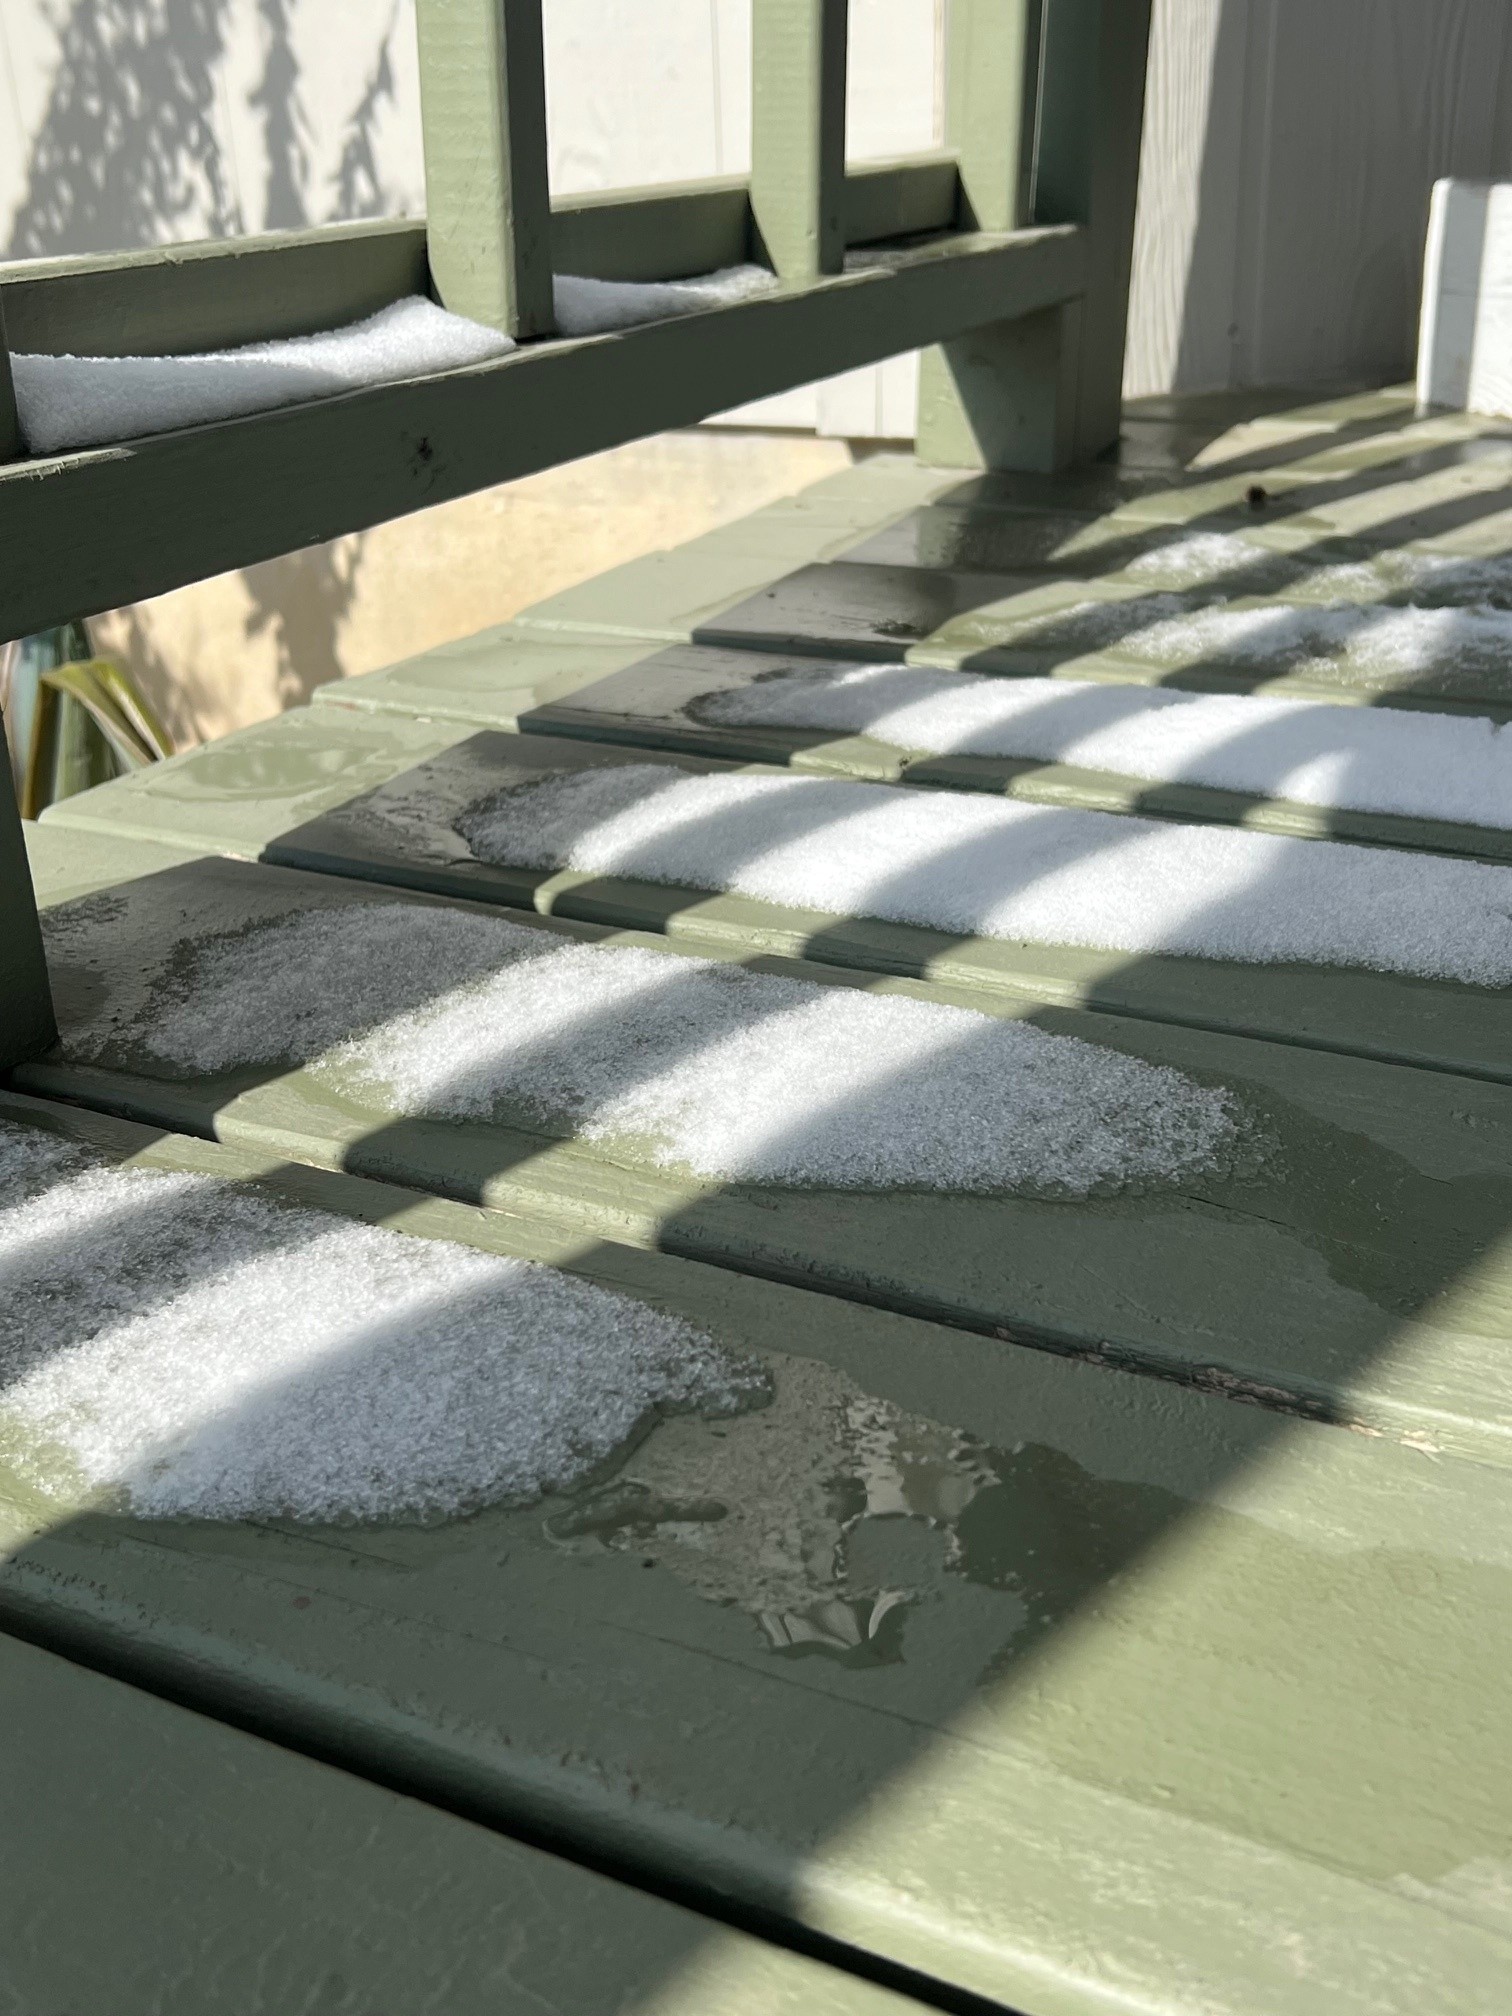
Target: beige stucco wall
(240, 647)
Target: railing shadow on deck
(1097, 1531)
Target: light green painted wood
(232, 493)
(26, 1012)
(376, 797)
(221, 291)
(1172, 1703)
(154, 1862)
(488, 206)
(798, 52)
(1045, 391)
(1356, 1266)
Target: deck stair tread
(377, 797)
(1227, 1685)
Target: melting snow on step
(1422, 765)
(987, 868)
(695, 1063)
(195, 1346)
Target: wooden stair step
(986, 1649)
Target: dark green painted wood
(1183, 1706)
(1356, 1266)
(229, 494)
(157, 1863)
(376, 797)
(798, 64)
(26, 1012)
(488, 204)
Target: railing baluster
(991, 88)
(483, 108)
(10, 426)
(1044, 390)
(798, 52)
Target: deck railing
(1008, 249)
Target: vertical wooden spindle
(1044, 390)
(798, 50)
(488, 203)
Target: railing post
(488, 203)
(26, 1012)
(11, 449)
(798, 50)
(1046, 390)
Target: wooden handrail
(483, 111)
(234, 492)
(216, 292)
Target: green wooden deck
(1112, 1608)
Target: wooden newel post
(1045, 390)
(798, 50)
(488, 202)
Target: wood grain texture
(1183, 1706)
(488, 205)
(227, 1876)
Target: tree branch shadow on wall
(128, 154)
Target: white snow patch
(1423, 765)
(1360, 640)
(587, 307)
(80, 402)
(994, 869)
(197, 1347)
(690, 1062)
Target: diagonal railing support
(798, 51)
(488, 203)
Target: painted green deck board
(1184, 1706)
(253, 788)
(1357, 1266)
(158, 1863)
(375, 797)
